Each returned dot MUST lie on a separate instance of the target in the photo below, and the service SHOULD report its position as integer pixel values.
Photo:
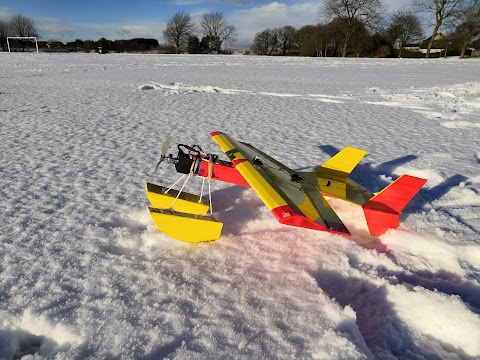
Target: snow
(85, 272)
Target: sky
(64, 20)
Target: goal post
(33, 38)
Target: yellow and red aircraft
(295, 198)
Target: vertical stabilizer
(382, 211)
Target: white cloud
(54, 29)
(149, 29)
(275, 14)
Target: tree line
(181, 34)
(22, 26)
(362, 28)
(104, 45)
(346, 28)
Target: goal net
(31, 38)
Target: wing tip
(215, 133)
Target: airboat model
(296, 198)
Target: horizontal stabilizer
(382, 211)
(332, 175)
(342, 163)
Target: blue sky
(68, 20)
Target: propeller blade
(166, 145)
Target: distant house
(440, 44)
(55, 45)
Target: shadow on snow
(386, 335)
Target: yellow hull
(186, 227)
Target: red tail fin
(382, 211)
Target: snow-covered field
(84, 273)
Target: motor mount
(187, 155)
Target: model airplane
(295, 198)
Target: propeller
(165, 147)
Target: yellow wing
(293, 200)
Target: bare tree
(266, 42)
(215, 26)
(404, 28)
(285, 38)
(467, 28)
(441, 10)
(20, 25)
(179, 28)
(272, 40)
(229, 34)
(350, 12)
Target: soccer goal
(32, 38)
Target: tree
(79, 44)
(3, 33)
(305, 40)
(312, 40)
(381, 45)
(476, 44)
(215, 26)
(178, 30)
(206, 44)
(20, 25)
(197, 46)
(404, 28)
(361, 40)
(349, 12)
(265, 42)
(193, 46)
(467, 28)
(285, 36)
(442, 11)
(333, 38)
